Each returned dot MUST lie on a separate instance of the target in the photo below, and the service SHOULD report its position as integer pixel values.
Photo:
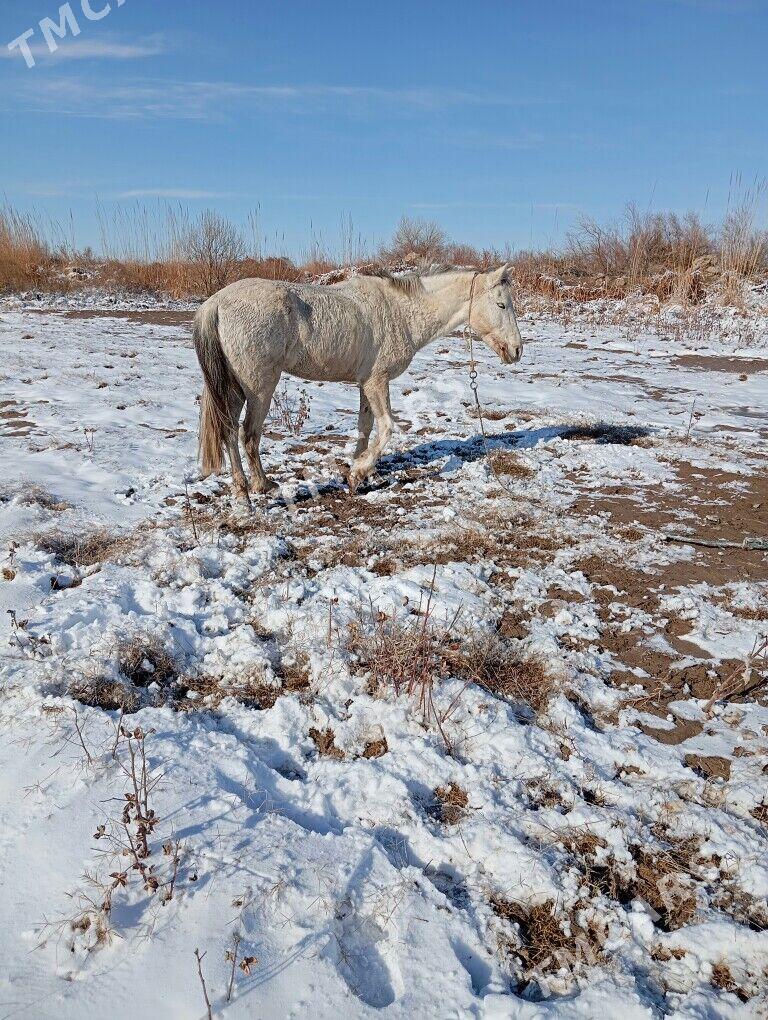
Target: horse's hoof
(262, 488)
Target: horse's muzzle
(511, 357)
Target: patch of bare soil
(147, 317)
(632, 586)
(13, 419)
(716, 504)
(719, 363)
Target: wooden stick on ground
(719, 543)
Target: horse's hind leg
(255, 413)
(239, 481)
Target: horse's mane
(407, 279)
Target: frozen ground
(579, 833)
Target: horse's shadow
(391, 466)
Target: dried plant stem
(80, 738)
(191, 512)
(744, 679)
(232, 958)
(200, 959)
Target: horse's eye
(501, 304)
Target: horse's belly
(331, 362)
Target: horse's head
(493, 316)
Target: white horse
(365, 330)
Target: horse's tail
(215, 418)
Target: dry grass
(102, 692)
(193, 693)
(723, 978)
(544, 942)
(30, 494)
(450, 804)
(26, 256)
(84, 550)
(487, 660)
(168, 251)
(415, 655)
(325, 742)
(511, 465)
(143, 659)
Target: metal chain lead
(469, 340)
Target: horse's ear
(497, 276)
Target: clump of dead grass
(105, 693)
(143, 659)
(413, 655)
(408, 657)
(202, 692)
(294, 673)
(490, 662)
(88, 549)
(509, 464)
(723, 978)
(31, 494)
(543, 942)
(325, 742)
(450, 803)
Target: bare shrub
(416, 239)
(126, 843)
(214, 247)
(657, 252)
(289, 411)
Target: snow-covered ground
(588, 840)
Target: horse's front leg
(376, 391)
(364, 424)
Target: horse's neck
(443, 309)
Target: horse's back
(309, 330)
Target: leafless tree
(214, 246)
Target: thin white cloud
(93, 49)
(206, 100)
(189, 194)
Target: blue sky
(504, 121)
